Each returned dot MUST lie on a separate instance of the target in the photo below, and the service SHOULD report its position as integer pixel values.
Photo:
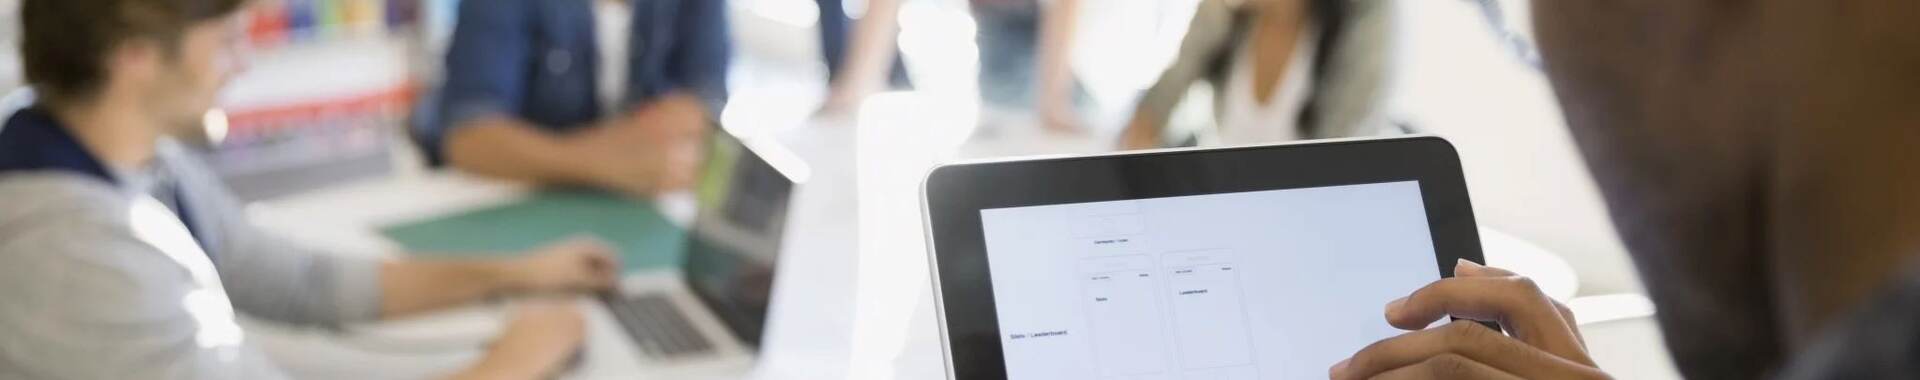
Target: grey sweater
(100, 281)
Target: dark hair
(64, 43)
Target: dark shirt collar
(32, 140)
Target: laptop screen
(735, 241)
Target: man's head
(1757, 156)
(166, 59)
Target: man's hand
(1545, 341)
(654, 149)
(535, 345)
(677, 115)
(572, 266)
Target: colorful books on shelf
(283, 22)
(274, 151)
(388, 105)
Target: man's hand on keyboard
(572, 266)
(536, 344)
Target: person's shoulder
(84, 265)
(1879, 341)
(63, 216)
(69, 229)
(186, 167)
(47, 196)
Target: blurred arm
(535, 345)
(503, 147)
(1059, 22)
(411, 286)
(872, 54)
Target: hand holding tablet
(1545, 341)
(1267, 262)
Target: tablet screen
(1276, 284)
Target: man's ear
(135, 60)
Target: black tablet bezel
(954, 195)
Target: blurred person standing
(1281, 70)
(609, 94)
(121, 256)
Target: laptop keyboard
(657, 326)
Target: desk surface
(808, 337)
(853, 300)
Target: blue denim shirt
(537, 60)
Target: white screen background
(1258, 285)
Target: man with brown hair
(1759, 159)
(122, 257)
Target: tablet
(1264, 262)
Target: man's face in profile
(1725, 134)
(208, 55)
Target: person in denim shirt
(611, 94)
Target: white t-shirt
(1244, 120)
(613, 29)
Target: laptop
(714, 307)
(1260, 262)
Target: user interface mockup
(1274, 284)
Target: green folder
(645, 238)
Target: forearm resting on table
(411, 287)
(511, 149)
(501, 363)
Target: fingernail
(1470, 266)
(1393, 308)
(1338, 368)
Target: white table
(807, 339)
(852, 301)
